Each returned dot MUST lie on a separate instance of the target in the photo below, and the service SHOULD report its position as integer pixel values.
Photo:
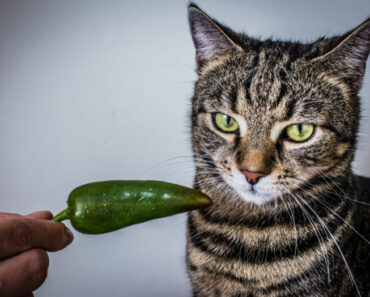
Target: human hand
(24, 241)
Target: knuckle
(38, 267)
(21, 233)
(47, 214)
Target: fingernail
(69, 236)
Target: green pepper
(106, 206)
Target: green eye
(300, 132)
(225, 123)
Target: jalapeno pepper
(106, 206)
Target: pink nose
(252, 176)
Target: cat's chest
(257, 260)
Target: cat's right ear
(210, 38)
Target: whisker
(331, 192)
(291, 215)
(337, 245)
(338, 216)
(335, 213)
(319, 237)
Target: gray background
(96, 90)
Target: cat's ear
(211, 39)
(347, 58)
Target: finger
(45, 214)
(21, 234)
(5, 216)
(23, 273)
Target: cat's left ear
(348, 56)
(211, 39)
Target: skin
(24, 243)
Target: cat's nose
(252, 176)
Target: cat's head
(269, 116)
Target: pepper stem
(63, 215)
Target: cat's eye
(225, 123)
(300, 132)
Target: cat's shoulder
(362, 185)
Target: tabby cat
(274, 128)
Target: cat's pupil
(228, 120)
(300, 129)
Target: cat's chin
(253, 196)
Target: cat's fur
(297, 231)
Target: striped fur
(308, 238)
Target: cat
(274, 127)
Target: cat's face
(264, 101)
(266, 118)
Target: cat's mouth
(254, 190)
(257, 196)
(259, 193)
